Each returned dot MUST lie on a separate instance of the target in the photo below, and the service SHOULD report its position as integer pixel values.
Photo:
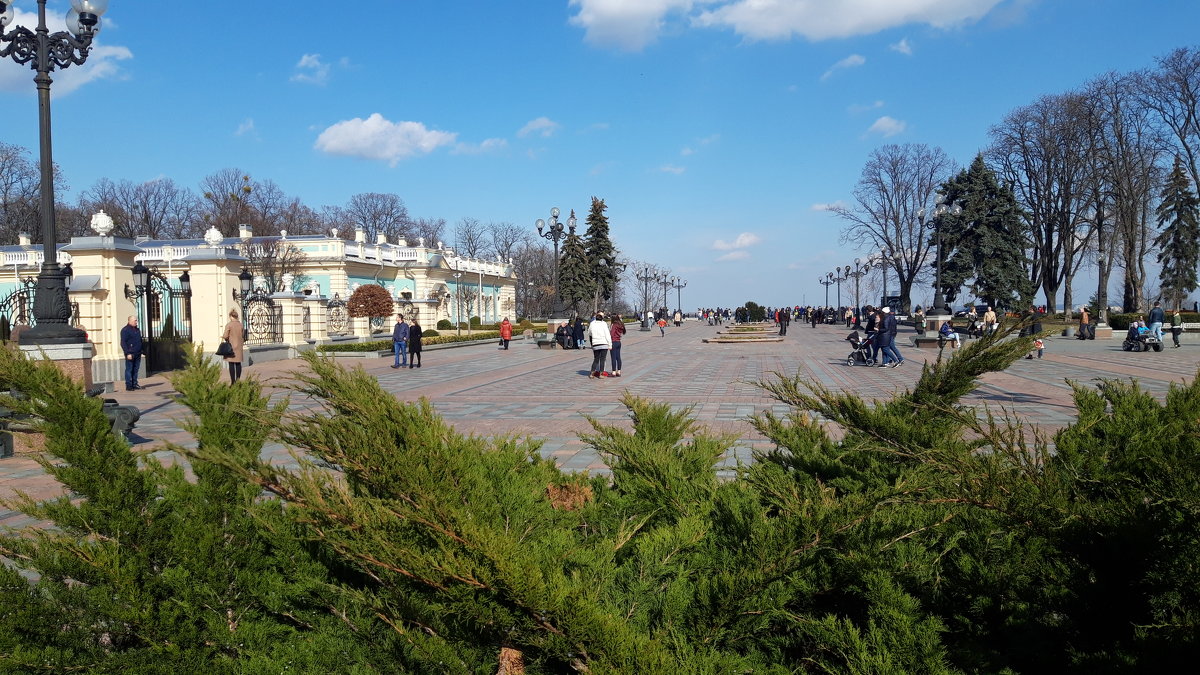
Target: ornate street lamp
(458, 300)
(939, 210)
(245, 281)
(841, 276)
(46, 51)
(554, 232)
(646, 276)
(679, 285)
(826, 281)
(665, 282)
(857, 271)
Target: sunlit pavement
(545, 394)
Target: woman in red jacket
(505, 333)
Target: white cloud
(488, 145)
(733, 255)
(626, 24)
(312, 70)
(102, 63)
(246, 127)
(743, 240)
(887, 126)
(602, 167)
(633, 24)
(542, 126)
(902, 46)
(671, 168)
(857, 108)
(817, 20)
(378, 138)
(852, 61)
(830, 206)
(687, 151)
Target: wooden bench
(544, 341)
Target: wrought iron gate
(264, 320)
(16, 309)
(167, 318)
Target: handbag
(225, 349)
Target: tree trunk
(1068, 298)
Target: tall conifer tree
(601, 255)
(984, 246)
(1179, 242)
(575, 284)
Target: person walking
(662, 327)
(888, 333)
(505, 333)
(1156, 318)
(785, 318)
(131, 345)
(400, 342)
(1085, 321)
(616, 331)
(1176, 326)
(678, 319)
(414, 344)
(601, 339)
(235, 336)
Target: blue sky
(712, 128)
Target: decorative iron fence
(16, 309)
(337, 317)
(167, 322)
(264, 320)
(306, 323)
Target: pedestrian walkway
(545, 394)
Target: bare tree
(430, 230)
(471, 238)
(20, 182)
(896, 183)
(506, 239)
(377, 213)
(272, 258)
(1172, 92)
(227, 200)
(1041, 151)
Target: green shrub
(475, 321)
(444, 324)
(429, 332)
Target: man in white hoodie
(601, 341)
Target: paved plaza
(545, 394)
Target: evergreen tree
(984, 246)
(149, 570)
(601, 255)
(575, 281)
(1179, 240)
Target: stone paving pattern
(545, 394)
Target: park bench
(122, 417)
(544, 340)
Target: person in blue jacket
(131, 344)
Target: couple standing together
(605, 339)
(406, 343)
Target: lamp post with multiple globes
(45, 52)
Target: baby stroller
(862, 350)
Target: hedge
(386, 345)
(1122, 321)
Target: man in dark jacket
(400, 342)
(887, 333)
(1156, 318)
(131, 344)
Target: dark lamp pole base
(52, 334)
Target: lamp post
(841, 276)
(939, 210)
(665, 282)
(46, 51)
(857, 271)
(458, 302)
(826, 281)
(554, 231)
(679, 285)
(646, 276)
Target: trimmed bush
(444, 324)
(429, 333)
(429, 337)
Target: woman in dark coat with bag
(233, 335)
(414, 344)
